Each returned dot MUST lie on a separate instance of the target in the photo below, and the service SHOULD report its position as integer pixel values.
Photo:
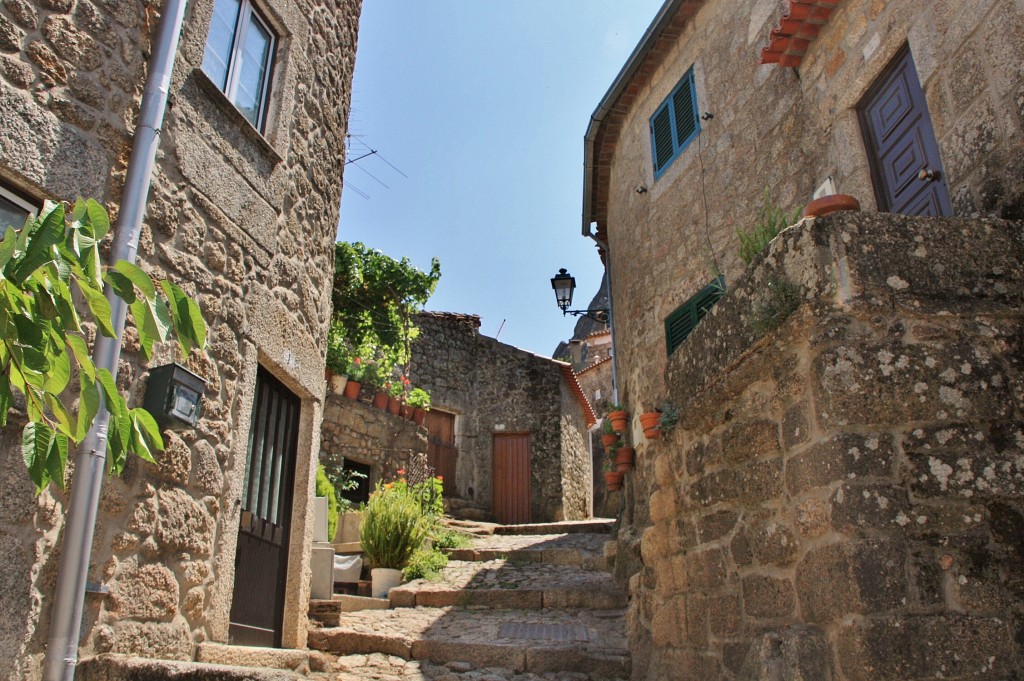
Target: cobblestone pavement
(588, 542)
(506, 574)
(377, 667)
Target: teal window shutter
(685, 318)
(674, 124)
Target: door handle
(929, 175)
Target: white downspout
(90, 459)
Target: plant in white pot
(393, 526)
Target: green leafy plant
(325, 488)
(42, 265)
(424, 564)
(343, 480)
(392, 527)
(444, 538)
(606, 427)
(419, 398)
(339, 354)
(771, 220)
(669, 418)
(778, 300)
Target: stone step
(582, 550)
(510, 585)
(594, 525)
(113, 667)
(326, 611)
(538, 641)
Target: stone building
(242, 212)
(511, 426)
(822, 507)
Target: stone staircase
(524, 600)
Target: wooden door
(261, 558)
(441, 451)
(511, 478)
(905, 164)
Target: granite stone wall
(784, 131)
(360, 432)
(245, 221)
(843, 498)
(492, 388)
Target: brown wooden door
(511, 478)
(905, 164)
(261, 559)
(441, 451)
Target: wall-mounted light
(564, 284)
(174, 396)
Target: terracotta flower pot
(406, 412)
(624, 457)
(613, 480)
(830, 204)
(619, 419)
(380, 400)
(609, 439)
(394, 406)
(651, 423)
(352, 389)
(418, 415)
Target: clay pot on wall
(830, 204)
(406, 412)
(651, 423)
(624, 457)
(613, 480)
(335, 382)
(619, 419)
(609, 439)
(394, 406)
(418, 415)
(352, 389)
(380, 400)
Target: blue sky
(483, 106)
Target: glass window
(239, 52)
(14, 210)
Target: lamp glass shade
(564, 284)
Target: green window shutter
(683, 104)
(685, 318)
(674, 124)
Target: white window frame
(246, 10)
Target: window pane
(220, 40)
(253, 69)
(11, 214)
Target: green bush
(393, 527)
(443, 538)
(424, 564)
(325, 488)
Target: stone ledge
(112, 667)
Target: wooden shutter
(684, 107)
(661, 137)
(674, 124)
(685, 318)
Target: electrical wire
(704, 196)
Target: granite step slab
(581, 550)
(326, 611)
(516, 586)
(537, 641)
(115, 667)
(593, 525)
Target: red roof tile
(797, 28)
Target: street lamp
(564, 284)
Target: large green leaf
(5, 398)
(58, 373)
(46, 233)
(122, 285)
(7, 246)
(88, 404)
(147, 426)
(81, 352)
(99, 307)
(189, 326)
(98, 219)
(57, 458)
(137, 277)
(35, 448)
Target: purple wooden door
(905, 164)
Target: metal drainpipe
(611, 314)
(90, 460)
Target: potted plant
(608, 436)
(624, 457)
(337, 362)
(395, 392)
(669, 418)
(619, 417)
(612, 477)
(419, 400)
(392, 528)
(650, 421)
(356, 371)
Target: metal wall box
(174, 396)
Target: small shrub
(325, 488)
(779, 300)
(424, 564)
(443, 538)
(669, 418)
(393, 527)
(771, 220)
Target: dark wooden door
(511, 478)
(261, 559)
(905, 164)
(441, 451)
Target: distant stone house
(762, 536)
(243, 210)
(507, 429)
